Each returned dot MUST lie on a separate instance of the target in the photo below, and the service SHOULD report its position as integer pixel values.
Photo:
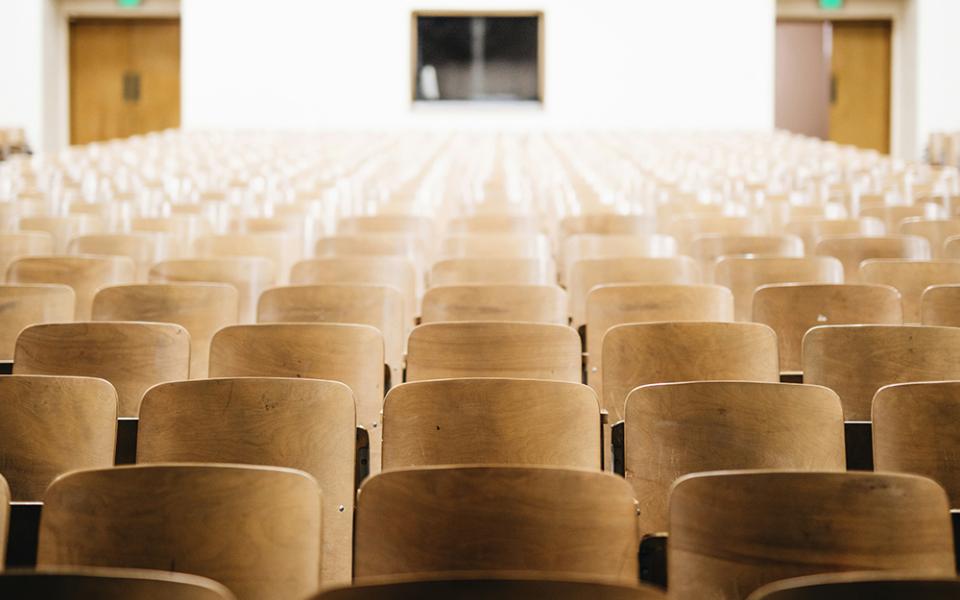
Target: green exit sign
(129, 3)
(831, 4)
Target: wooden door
(860, 94)
(124, 77)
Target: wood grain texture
(491, 421)
(379, 306)
(911, 278)
(514, 587)
(940, 305)
(644, 353)
(935, 231)
(79, 583)
(256, 530)
(200, 308)
(589, 273)
(249, 275)
(743, 275)
(23, 243)
(733, 531)
(304, 424)
(587, 246)
(142, 248)
(50, 425)
(85, 274)
(617, 304)
(130, 355)
(495, 302)
(548, 520)
(914, 431)
(495, 245)
(63, 229)
(25, 305)
(866, 584)
(812, 229)
(493, 349)
(852, 250)
(791, 309)
(674, 429)
(857, 360)
(706, 249)
(281, 249)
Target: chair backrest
(63, 229)
(893, 215)
(617, 304)
(529, 224)
(392, 271)
(951, 247)
(605, 224)
(514, 588)
(936, 232)
(306, 424)
(812, 229)
(642, 353)
(875, 585)
(110, 584)
(852, 250)
(940, 305)
(491, 421)
(144, 249)
(183, 228)
(911, 278)
(685, 229)
(281, 249)
(674, 429)
(423, 227)
(590, 246)
(791, 309)
(495, 302)
(494, 245)
(200, 308)
(371, 244)
(706, 249)
(914, 431)
(23, 243)
(734, 531)
(479, 271)
(132, 356)
(24, 305)
(743, 275)
(256, 530)
(495, 519)
(379, 306)
(249, 275)
(85, 274)
(589, 273)
(493, 349)
(51, 425)
(857, 360)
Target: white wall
(938, 71)
(624, 63)
(22, 78)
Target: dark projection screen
(477, 58)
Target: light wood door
(860, 95)
(124, 77)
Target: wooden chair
(495, 302)
(589, 246)
(894, 216)
(687, 228)
(951, 247)
(743, 275)
(857, 360)
(85, 274)
(611, 305)
(281, 249)
(706, 249)
(372, 270)
(379, 306)
(249, 275)
(586, 274)
(420, 227)
(480, 271)
(143, 249)
(348, 353)
(493, 349)
(852, 250)
(673, 429)
(305, 424)
(866, 584)
(132, 356)
(911, 278)
(496, 519)
(495, 245)
(183, 229)
(812, 229)
(79, 583)
(791, 309)
(491, 421)
(936, 232)
(51, 425)
(642, 353)
(522, 224)
(606, 224)
(256, 530)
(24, 305)
(371, 244)
(734, 531)
(914, 432)
(23, 243)
(516, 587)
(63, 229)
(200, 308)
(940, 305)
